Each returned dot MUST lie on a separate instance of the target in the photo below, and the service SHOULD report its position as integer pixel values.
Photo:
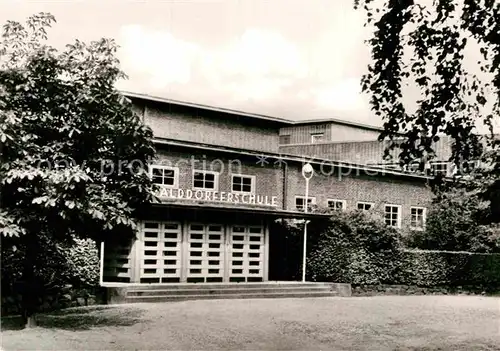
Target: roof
(205, 107)
(283, 121)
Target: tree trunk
(29, 292)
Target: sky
(295, 59)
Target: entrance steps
(181, 292)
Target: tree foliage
(427, 46)
(458, 221)
(72, 148)
(73, 152)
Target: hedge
(410, 267)
(358, 250)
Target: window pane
(247, 181)
(157, 180)
(198, 183)
(198, 176)
(210, 177)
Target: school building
(226, 175)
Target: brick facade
(221, 130)
(349, 185)
(269, 179)
(208, 236)
(333, 132)
(356, 186)
(212, 128)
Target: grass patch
(79, 318)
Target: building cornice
(289, 158)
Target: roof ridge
(288, 121)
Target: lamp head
(307, 171)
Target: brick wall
(325, 184)
(365, 152)
(269, 179)
(333, 132)
(210, 127)
(356, 152)
(357, 186)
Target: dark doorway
(285, 252)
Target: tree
(455, 222)
(425, 45)
(73, 153)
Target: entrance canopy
(210, 207)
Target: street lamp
(307, 173)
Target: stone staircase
(182, 292)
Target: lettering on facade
(216, 196)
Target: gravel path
(357, 323)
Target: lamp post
(307, 173)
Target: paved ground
(361, 323)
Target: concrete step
(220, 286)
(166, 298)
(175, 292)
(229, 290)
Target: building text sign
(216, 196)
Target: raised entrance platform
(131, 293)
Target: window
(300, 201)
(284, 139)
(317, 137)
(439, 168)
(413, 167)
(417, 220)
(364, 206)
(393, 215)
(243, 184)
(165, 176)
(468, 168)
(337, 205)
(205, 180)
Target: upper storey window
(439, 168)
(164, 176)
(317, 138)
(284, 139)
(205, 180)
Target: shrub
(357, 249)
(456, 222)
(353, 249)
(57, 266)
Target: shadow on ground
(79, 318)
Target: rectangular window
(300, 201)
(439, 168)
(466, 168)
(205, 180)
(243, 183)
(284, 139)
(337, 205)
(164, 176)
(317, 137)
(364, 206)
(413, 167)
(417, 220)
(392, 215)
